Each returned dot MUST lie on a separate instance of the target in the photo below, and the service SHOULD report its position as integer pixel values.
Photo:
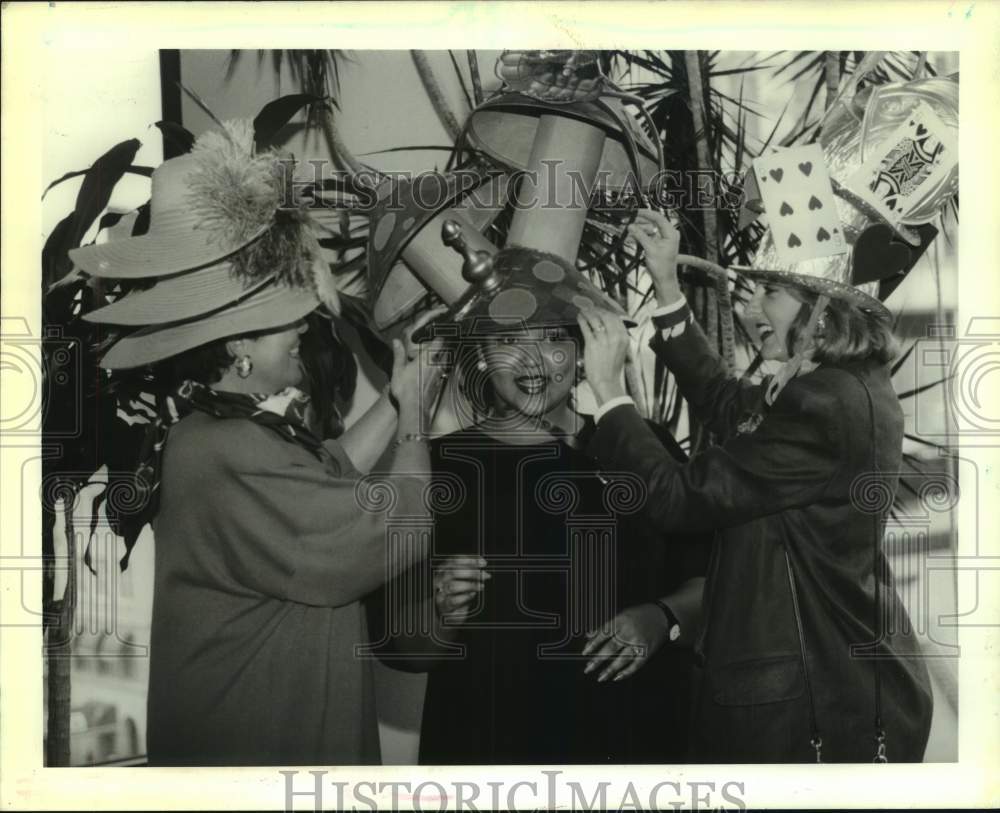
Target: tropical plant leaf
(55, 253)
(276, 114)
(177, 134)
(146, 172)
(413, 148)
(194, 97)
(461, 79)
(357, 313)
(99, 182)
(925, 442)
(915, 392)
(898, 363)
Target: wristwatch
(673, 625)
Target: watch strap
(673, 624)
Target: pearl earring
(244, 366)
(481, 365)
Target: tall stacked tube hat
(224, 251)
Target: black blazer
(786, 487)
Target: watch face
(675, 632)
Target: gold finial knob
(478, 265)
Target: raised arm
(789, 461)
(310, 531)
(367, 439)
(716, 397)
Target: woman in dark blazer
(806, 651)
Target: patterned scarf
(289, 413)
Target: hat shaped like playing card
(849, 217)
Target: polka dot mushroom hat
(517, 288)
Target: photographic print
(498, 426)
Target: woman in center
(539, 561)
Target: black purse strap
(880, 755)
(816, 740)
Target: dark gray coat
(786, 487)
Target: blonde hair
(846, 332)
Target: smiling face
(772, 311)
(532, 371)
(275, 357)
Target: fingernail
(619, 676)
(589, 669)
(602, 678)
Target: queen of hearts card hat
(891, 159)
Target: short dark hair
(848, 334)
(205, 364)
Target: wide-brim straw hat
(179, 297)
(822, 275)
(272, 306)
(535, 289)
(853, 276)
(179, 238)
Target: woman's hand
(413, 349)
(661, 242)
(623, 645)
(605, 350)
(458, 581)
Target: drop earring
(244, 366)
(821, 325)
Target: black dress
(566, 551)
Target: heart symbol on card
(921, 131)
(879, 254)
(822, 235)
(786, 209)
(777, 173)
(794, 241)
(806, 167)
(815, 203)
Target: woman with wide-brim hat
(268, 539)
(807, 653)
(535, 551)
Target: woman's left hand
(625, 643)
(604, 353)
(413, 349)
